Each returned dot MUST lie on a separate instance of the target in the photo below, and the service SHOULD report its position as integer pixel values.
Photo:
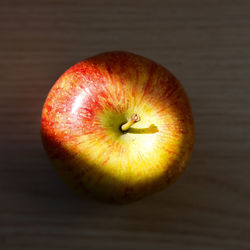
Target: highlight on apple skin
(118, 127)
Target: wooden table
(206, 44)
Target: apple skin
(81, 119)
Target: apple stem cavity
(132, 120)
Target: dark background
(206, 44)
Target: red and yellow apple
(118, 127)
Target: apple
(118, 127)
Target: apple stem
(133, 119)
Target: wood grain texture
(206, 44)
